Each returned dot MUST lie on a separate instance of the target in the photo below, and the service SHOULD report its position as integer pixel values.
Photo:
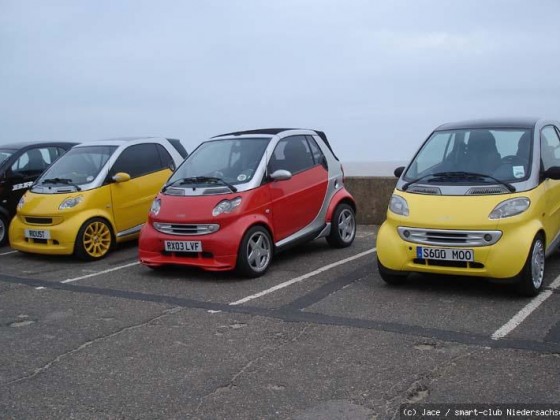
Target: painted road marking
(520, 316)
(8, 253)
(301, 278)
(96, 274)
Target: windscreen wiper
(65, 181)
(200, 179)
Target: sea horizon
(371, 168)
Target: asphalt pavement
(320, 336)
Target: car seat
(296, 156)
(482, 155)
(36, 162)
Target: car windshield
(5, 154)
(231, 161)
(454, 156)
(79, 165)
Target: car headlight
(68, 203)
(226, 206)
(156, 206)
(21, 202)
(510, 208)
(398, 205)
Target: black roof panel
(491, 123)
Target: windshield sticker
(89, 178)
(242, 177)
(518, 171)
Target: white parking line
(8, 253)
(96, 274)
(520, 316)
(301, 278)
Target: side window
(318, 156)
(550, 147)
(32, 161)
(138, 160)
(164, 157)
(292, 154)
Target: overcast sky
(376, 75)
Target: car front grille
(449, 237)
(185, 230)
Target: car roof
(118, 141)
(526, 122)
(276, 131)
(24, 144)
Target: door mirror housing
(398, 172)
(121, 177)
(280, 175)
(553, 173)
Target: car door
(26, 169)
(296, 202)
(132, 199)
(550, 156)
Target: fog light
(406, 233)
(488, 237)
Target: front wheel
(343, 228)
(3, 230)
(94, 240)
(532, 274)
(255, 252)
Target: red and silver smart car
(241, 197)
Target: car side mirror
(280, 175)
(398, 172)
(171, 166)
(121, 177)
(553, 173)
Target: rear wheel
(389, 276)
(94, 240)
(255, 252)
(343, 229)
(3, 230)
(532, 274)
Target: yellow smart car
(97, 194)
(479, 198)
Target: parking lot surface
(320, 336)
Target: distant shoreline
(381, 168)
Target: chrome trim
(130, 231)
(444, 237)
(186, 229)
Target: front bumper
(502, 260)
(219, 249)
(62, 233)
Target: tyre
(389, 276)
(343, 228)
(532, 275)
(94, 240)
(255, 252)
(3, 230)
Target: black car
(20, 165)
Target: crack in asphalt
(87, 344)
(231, 383)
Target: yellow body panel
(502, 260)
(124, 205)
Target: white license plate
(37, 234)
(445, 254)
(183, 246)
